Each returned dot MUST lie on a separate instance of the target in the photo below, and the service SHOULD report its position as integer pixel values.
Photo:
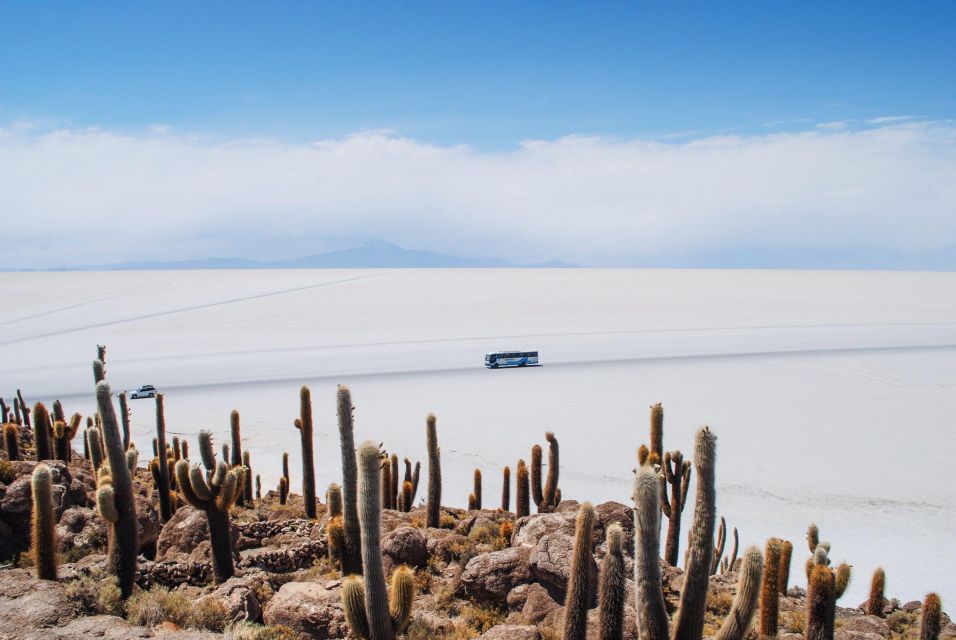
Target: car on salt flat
(146, 391)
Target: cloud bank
(883, 195)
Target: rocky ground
(482, 574)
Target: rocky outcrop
(511, 632)
(311, 609)
(285, 558)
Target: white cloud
(92, 195)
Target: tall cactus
(931, 615)
(42, 428)
(745, 600)
(11, 440)
(387, 496)
(476, 489)
(161, 470)
(43, 543)
(652, 623)
(689, 622)
(537, 493)
(237, 459)
(304, 425)
(783, 573)
(580, 580)
(434, 472)
(247, 469)
(94, 444)
(876, 601)
(770, 591)
(820, 603)
(351, 557)
(215, 492)
(506, 489)
(395, 483)
(372, 612)
(114, 496)
(657, 432)
(677, 475)
(4, 412)
(612, 586)
(124, 418)
(522, 499)
(283, 489)
(258, 488)
(25, 409)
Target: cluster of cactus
(474, 498)
(213, 491)
(398, 494)
(371, 611)
(689, 619)
(304, 424)
(547, 498)
(63, 433)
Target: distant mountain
(376, 254)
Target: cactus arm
(649, 596)
(205, 451)
(745, 600)
(537, 494)
(106, 503)
(189, 479)
(353, 602)
(813, 537)
(689, 622)
(401, 597)
(842, 580)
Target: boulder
(530, 529)
(863, 625)
(511, 632)
(309, 608)
(491, 576)
(405, 545)
(238, 596)
(538, 604)
(80, 530)
(550, 560)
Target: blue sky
(483, 73)
(736, 134)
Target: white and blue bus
(510, 359)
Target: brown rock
(491, 576)
(511, 632)
(406, 545)
(864, 625)
(183, 533)
(538, 604)
(309, 608)
(27, 603)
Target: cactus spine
(11, 440)
(612, 587)
(930, 622)
(677, 475)
(770, 591)
(214, 492)
(351, 559)
(371, 612)
(820, 603)
(237, 458)
(652, 621)
(506, 489)
(876, 601)
(522, 499)
(161, 472)
(43, 547)
(41, 432)
(304, 425)
(689, 622)
(114, 496)
(434, 472)
(579, 578)
(745, 600)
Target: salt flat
(832, 393)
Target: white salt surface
(833, 394)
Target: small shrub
(97, 593)
(322, 569)
(900, 621)
(252, 631)
(209, 614)
(158, 605)
(793, 621)
(447, 521)
(6, 472)
(486, 533)
(719, 602)
(481, 618)
(423, 581)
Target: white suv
(146, 391)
